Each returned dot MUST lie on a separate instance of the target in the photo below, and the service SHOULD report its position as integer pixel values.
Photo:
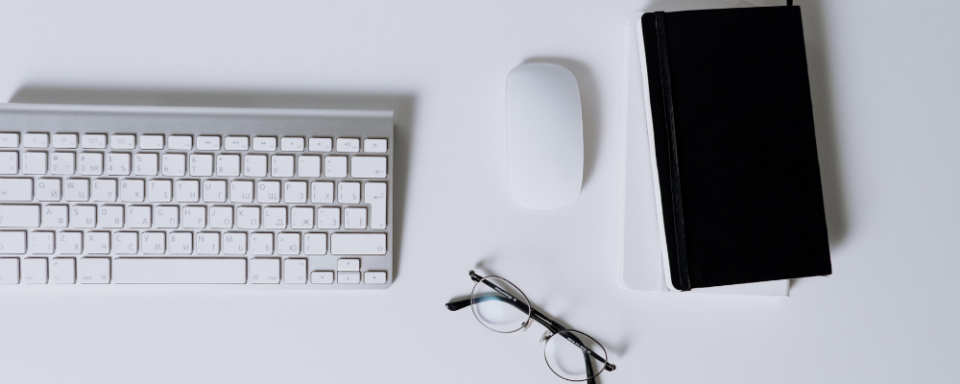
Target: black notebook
(733, 146)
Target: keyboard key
(151, 142)
(76, 190)
(336, 167)
(261, 243)
(16, 189)
(70, 243)
(91, 164)
(145, 164)
(125, 243)
(264, 144)
(234, 243)
(181, 243)
(315, 243)
(348, 192)
(355, 218)
(97, 242)
(208, 243)
(118, 164)
(55, 216)
(63, 270)
(123, 142)
(65, 140)
(109, 216)
(348, 264)
(321, 144)
(321, 277)
(368, 167)
(291, 144)
(13, 242)
(34, 163)
(348, 145)
(83, 216)
(255, 166)
(94, 270)
(214, 191)
(201, 165)
(248, 217)
(288, 243)
(328, 218)
(321, 192)
(19, 216)
(268, 191)
(222, 217)
(308, 166)
(34, 270)
(139, 270)
(9, 140)
(237, 143)
(295, 192)
(188, 191)
(153, 243)
(9, 163)
(160, 191)
(282, 166)
(47, 189)
(241, 191)
(295, 271)
(104, 190)
(358, 244)
(375, 278)
(174, 164)
(208, 143)
(275, 218)
(375, 145)
(228, 165)
(194, 216)
(138, 216)
(265, 271)
(301, 218)
(132, 190)
(180, 143)
(41, 243)
(62, 163)
(94, 141)
(375, 194)
(9, 270)
(36, 140)
(348, 277)
(166, 216)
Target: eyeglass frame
(552, 326)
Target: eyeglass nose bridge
(546, 336)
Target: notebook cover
(736, 154)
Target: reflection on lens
(499, 305)
(575, 356)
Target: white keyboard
(246, 198)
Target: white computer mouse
(544, 135)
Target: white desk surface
(886, 89)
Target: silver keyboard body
(355, 258)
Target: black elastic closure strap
(674, 159)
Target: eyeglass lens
(502, 307)
(574, 355)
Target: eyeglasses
(502, 307)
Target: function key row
(185, 142)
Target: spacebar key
(145, 270)
(358, 243)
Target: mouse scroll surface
(545, 135)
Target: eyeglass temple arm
(535, 314)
